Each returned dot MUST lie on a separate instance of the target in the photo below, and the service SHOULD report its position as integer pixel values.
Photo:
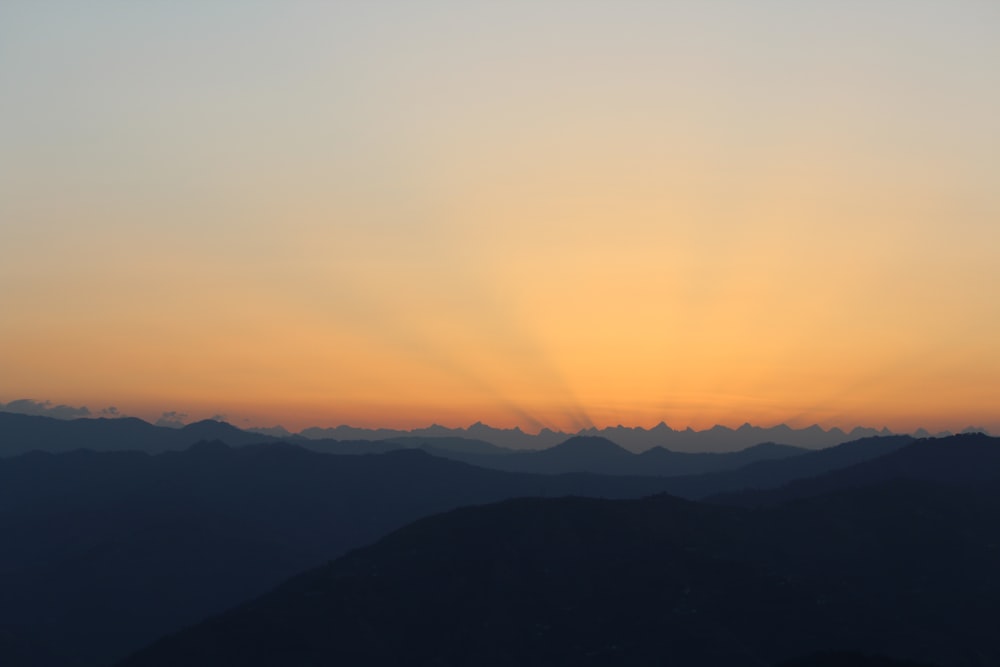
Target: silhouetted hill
(769, 474)
(602, 456)
(448, 445)
(955, 459)
(525, 582)
(25, 433)
(209, 429)
(693, 476)
(901, 569)
(103, 552)
(459, 449)
(683, 463)
(577, 454)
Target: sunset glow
(555, 214)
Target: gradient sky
(526, 213)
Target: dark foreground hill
(899, 559)
(103, 552)
(900, 569)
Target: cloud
(27, 406)
(219, 417)
(111, 411)
(172, 419)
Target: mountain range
(715, 439)
(20, 433)
(890, 556)
(25, 433)
(594, 454)
(105, 551)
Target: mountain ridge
(104, 551)
(585, 581)
(970, 458)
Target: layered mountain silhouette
(23, 433)
(968, 457)
(20, 433)
(637, 439)
(105, 551)
(771, 474)
(26, 433)
(893, 565)
(577, 454)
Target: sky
(553, 213)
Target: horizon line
(173, 419)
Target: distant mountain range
(595, 454)
(636, 439)
(895, 556)
(696, 475)
(115, 432)
(24, 433)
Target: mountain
(580, 453)
(526, 582)
(683, 463)
(970, 457)
(602, 456)
(22, 433)
(460, 449)
(769, 474)
(103, 552)
(900, 569)
(513, 438)
(25, 433)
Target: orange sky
(582, 213)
